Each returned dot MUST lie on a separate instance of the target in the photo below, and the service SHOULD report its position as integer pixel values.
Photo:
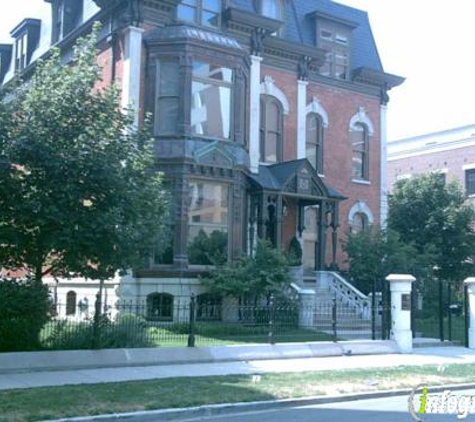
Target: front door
(309, 238)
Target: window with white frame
(21, 52)
(336, 40)
(314, 141)
(470, 182)
(201, 12)
(359, 222)
(271, 129)
(359, 152)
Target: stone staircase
(321, 293)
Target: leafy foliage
(24, 309)
(128, 331)
(295, 252)
(259, 276)
(437, 220)
(373, 254)
(79, 193)
(208, 250)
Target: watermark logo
(422, 402)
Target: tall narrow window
(208, 223)
(359, 223)
(71, 300)
(211, 108)
(360, 152)
(314, 144)
(337, 43)
(21, 48)
(470, 181)
(201, 12)
(271, 130)
(168, 97)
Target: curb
(235, 408)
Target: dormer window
(21, 45)
(5, 59)
(67, 15)
(272, 9)
(200, 12)
(336, 41)
(26, 36)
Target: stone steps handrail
(349, 294)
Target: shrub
(24, 309)
(295, 253)
(128, 331)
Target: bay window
(211, 102)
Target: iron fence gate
(440, 311)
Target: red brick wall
(341, 105)
(452, 160)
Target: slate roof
(275, 176)
(299, 27)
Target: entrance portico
(280, 196)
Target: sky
(429, 42)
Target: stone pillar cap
(400, 277)
(469, 280)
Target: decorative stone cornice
(316, 107)
(382, 80)
(362, 117)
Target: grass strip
(86, 400)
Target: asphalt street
(386, 409)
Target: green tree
(437, 220)
(373, 254)
(254, 277)
(79, 192)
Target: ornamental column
(384, 164)
(401, 287)
(132, 71)
(255, 113)
(301, 118)
(470, 283)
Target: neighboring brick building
(270, 119)
(449, 152)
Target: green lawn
(50, 403)
(429, 328)
(72, 335)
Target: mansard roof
(300, 27)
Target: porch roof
(295, 178)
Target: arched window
(201, 12)
(360, 152)
(271, 129)
(208, 307)
(160, 307)
(314, 141)
(71, 300)
(359, 223)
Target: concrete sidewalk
(423, 356)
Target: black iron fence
(146, 322)
(440, 311)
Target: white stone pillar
(132, 70)
(401, 286)
(255, 110)
(384, 165)
(470, 283)
(301, 119)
